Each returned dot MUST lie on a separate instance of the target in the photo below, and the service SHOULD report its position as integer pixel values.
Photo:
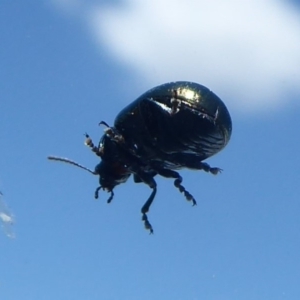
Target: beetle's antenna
(104, 123)
(66, 160)
(112, 133)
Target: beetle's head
(111, 170)
(110, 174)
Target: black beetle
(172, 126)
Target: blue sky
(65, 66)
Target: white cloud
(6, 219)
(248, 52)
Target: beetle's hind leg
(207, 168)
(199, 165)
(178, 180)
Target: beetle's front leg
(145, 209)
(97, 194)
(149, 180)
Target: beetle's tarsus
(189, 197)
(96, 195)
(207, 168)
(215, 171)
(182, 189)
(110, 197)
(147, 224)
(146, 208)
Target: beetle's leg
(145, 209)
(195, 164)
(149, 180)
(88, 142)
(178, 180)
(97, 191)
(137, 179)
(207, 168)
(111, 196)
(97, 194)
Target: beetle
(172, 126)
